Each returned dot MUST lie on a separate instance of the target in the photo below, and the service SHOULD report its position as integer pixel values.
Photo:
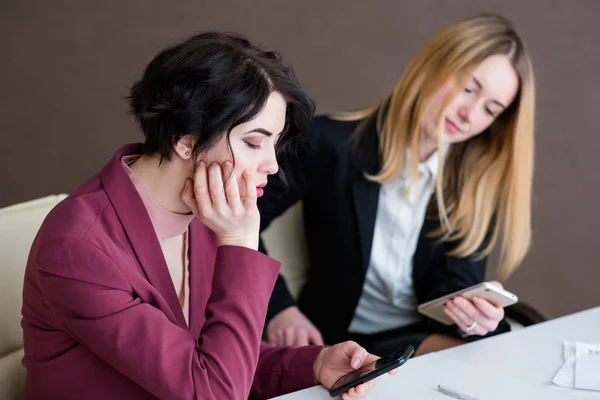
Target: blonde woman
(403, 201)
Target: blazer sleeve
(284, 370)
(284, 190)
(450, 275)
(97, 307)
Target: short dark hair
(207, 85)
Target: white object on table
(565, 376)
(581, 369)
(587, 366)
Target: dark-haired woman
(146, 282)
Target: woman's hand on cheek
(214, 198)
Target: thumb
(497, 284)
(358, 356)
(315, 337)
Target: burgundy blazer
(101, 318)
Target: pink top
(172, 232)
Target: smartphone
(434, 309)
(371, 371)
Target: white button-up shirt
(388, 300)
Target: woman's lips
(260, 189)
(451, 127)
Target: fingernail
(356, 363)
(227, 164)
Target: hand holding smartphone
(371, 371)
(434, 309)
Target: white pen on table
(453, 393)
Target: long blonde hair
(484, 184)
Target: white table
(515, 365)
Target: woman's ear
(184, 146)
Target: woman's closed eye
(253, 144)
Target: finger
(216, 189)
(460, 316)
(315, 337)
(289, 337)
(468, 312)
(452, 315)
(351, 393)
(484, 324)
(356, 391)
(301, 338)
(279, 339)
(360, 390)
(271, 335)
(372, 383)
(370, 358)
(488, 309)
(449, 310)
(368, 386)
(479, 330)
(201, 191)
(231, 188)
(457, 321)
(452, 312)
(497, 284)
(250, 197)
(359, 355)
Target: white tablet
(500, 297)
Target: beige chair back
(18, 226)
(285, 242)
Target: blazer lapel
(202, 245)
(138, 226)
(366, 195)
(365, 150)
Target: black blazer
(340, 207)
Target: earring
(187, 153)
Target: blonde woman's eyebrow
(478, 83)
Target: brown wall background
(65, 67)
